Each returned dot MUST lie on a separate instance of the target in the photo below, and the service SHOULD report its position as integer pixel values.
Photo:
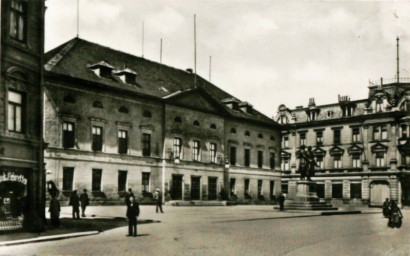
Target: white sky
(263, 52)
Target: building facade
(116, 121)
(355, 143)
(21, 144)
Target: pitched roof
(74, 57)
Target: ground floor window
(320, 190)
(96, 180)
(272, 189)
(355, 190)
(145, 181)
(247, 191)
(122, 181)
(337, 190)
(233, 187)
(68, 178)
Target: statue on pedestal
(307, 163)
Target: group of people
(392, 211)
(307, 163)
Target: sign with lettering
(11, 176)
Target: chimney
(312, 102)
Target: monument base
(304, 197)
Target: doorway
(195, 188)
(379, 191)
(176, 190)
(212, 190)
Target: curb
(49, 238)
(340, 213)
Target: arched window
(196, 123)
(233, 130)
(247, 133)
(177, 119)
(123, 110)
(260, 136)
(69, 99)
(213, 126)
(97, 104)
(146, 114)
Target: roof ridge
(56, 59)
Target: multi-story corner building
(116, 121)
(21, 166)
(355, 143)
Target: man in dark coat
(133, 211)
(158, 200)
(84, 202)
(128, 196)
(281, 202)
(54, 210)
(75, 203)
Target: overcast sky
(263, 52)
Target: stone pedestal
(306, 198)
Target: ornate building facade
(21, 144)
(116, 121)
(356, 145)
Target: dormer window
(246, 107)
(329, 114)
(232, 103)
(102, 69)
(127, 76)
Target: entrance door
(379, 193)
(176, 190)
(212, 193)
(195, 188)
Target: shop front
(13, 194)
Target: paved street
(238, 230)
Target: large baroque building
(356, 145)
(21, 165)
(116, 121)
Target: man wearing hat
(75, 203)
(158, 199)
(84, 202)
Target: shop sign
(10, 176)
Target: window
(122, 181)
(247, 157)
(336, 136)
(123, 110)
(355, 190)
(212, 152)
(320, 190)
(260, 159)
(272, 160)
(15, 111)
(18, 20)
(384, 132)
(404, 132)
(232, 186)
(96, 180)
(177, 147)
(177, 119)
(247, 133)
(285, 164)
(145, 181)
(356, 134)
(319, 138)
(337, 161)
(68, 178)
(97, 138)
(97, 104)
(232, 156)
(286, 142)
(380, 132)
(380, 160)
(379, 105)
(146, 144)
(284, 119)
(68, 135)
(233, 130)
(356, 162)
(196, 123)
(213, 126)
(147, 114)
(197, 151)
(122, 141)
(329, 114)
(319, 162)
(247, 188)
(337, 190)
(302, 138)
(260, 136)
(260, 183)
(347, 111)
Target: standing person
(128, 196)
(386, 208)
(158, 200)
(395, 218)
(75, 203)
(84, 202)
(281, 201)
(54, 210)
(133, 211)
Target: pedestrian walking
(75, 203)
(158, 200)
(281, 202)
(133, 211)
(128, 196)
(54, 210)
(84, 202)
